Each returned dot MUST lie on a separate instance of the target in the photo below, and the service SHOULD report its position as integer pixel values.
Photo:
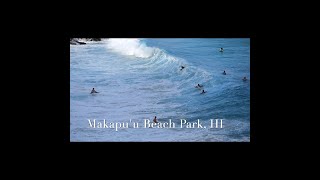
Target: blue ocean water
(138, 79)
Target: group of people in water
(224, 73)
(198, 86)
(244, 78)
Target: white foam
(131, 47)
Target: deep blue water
(141, 78)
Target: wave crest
(130, 47)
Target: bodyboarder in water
(155, 119)
(93, 91)
(198, 86)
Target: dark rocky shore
(76, 41)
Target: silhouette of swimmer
(224, 73)
(221, 50)
(244, 79)
(198, 86)
(155, 119)
(93, 91)
(182, 67)
(203, 92)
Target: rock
(73, 41)
(81, 42)
(96, 39)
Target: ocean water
(138, 79)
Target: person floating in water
(155, 119)
(224, 73)
(244, 79)
(203, 92)
(221, 49)
(93, 91)
(182, 67)
(198, 86)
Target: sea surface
(139, 79)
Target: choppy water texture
(141, 78)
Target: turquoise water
(141, 78)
